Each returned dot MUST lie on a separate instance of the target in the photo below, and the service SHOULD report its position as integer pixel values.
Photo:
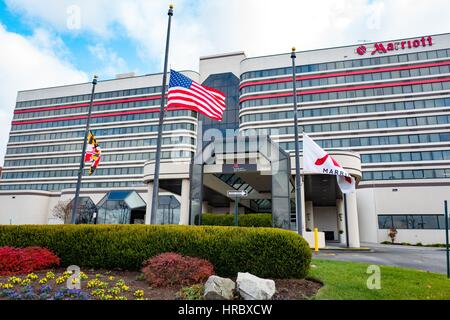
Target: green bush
(244, 220)
(265, 252)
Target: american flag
(185, 93)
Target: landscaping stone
(251, 287)
(217, 288)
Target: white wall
(24, 209)
(406, 200)
(325, 219)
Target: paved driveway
(429, 259)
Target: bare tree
(63, 211)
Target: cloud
(29, 63)
(110, 62)
(258, 27)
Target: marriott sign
(380, 48)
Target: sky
(56, 42)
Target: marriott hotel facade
(382, 110)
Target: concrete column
(340, 220)
(205, 207)
(185, 201)
(148, 199)
(309, 213)
(353, 226)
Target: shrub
(244, 220)
(194, 292)
(25, 260)
(169, 269)
(264, 252)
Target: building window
(412, 222)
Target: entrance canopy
(254, 164)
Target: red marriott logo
(394, 46)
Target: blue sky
(41, 47)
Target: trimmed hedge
(265, 252)
(244, 220)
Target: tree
(392, 234)
(63, 211)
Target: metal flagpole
(160, 126)
(80, 170)
(446, 237)
(298, 199)
(346, 220)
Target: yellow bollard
(316, 240)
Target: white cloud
(28, 63)
(110, 63)
(258, 27)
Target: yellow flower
(32, 276)
(50, 275)
(111, 278)
(139, 293)
(120, 283)
(60, 280)
(74, 281)
(83, 276)
(108, 297)
(14, 280)
(114, 290)
(98, 292)
(98, 276)
(125, 287)
(25, 282)
(8, 286)
(43, 281)
(121, 298)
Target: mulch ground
(287, 289)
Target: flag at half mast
(185, 93)
(93, 154)
(317, 160)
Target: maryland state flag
(93, 154)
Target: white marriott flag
(316, 160)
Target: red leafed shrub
(169, 269)
(25, 260)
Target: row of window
(71, 173)
(87, 97)
(100, 132)
(429, 221)
(376, 76)
(104, 145)
(406, 174)
(373, 141)
(95, 108)
(348, 64)
(356, 125)
(96, 120)
(62, 186)
(76, 159)
(364, 108)
(350, 94)
(406, 156)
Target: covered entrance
(253, 164)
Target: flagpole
(346, 220)
(298, 199)
(160, 126)
(80, 170)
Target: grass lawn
(348, 281)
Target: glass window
(430, 222)
(385, 222)
(400, 222)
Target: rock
(251, 287)
(217, 288)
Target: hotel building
(380, 109)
